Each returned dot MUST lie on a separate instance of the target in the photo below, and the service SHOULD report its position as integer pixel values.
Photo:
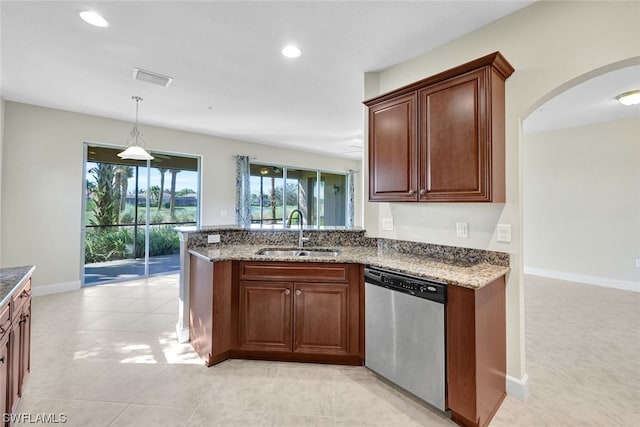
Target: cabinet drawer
(5, 319)
(21, 296)
(308, 272)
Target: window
(277, 190)
(131, 211)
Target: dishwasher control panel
(412, 285)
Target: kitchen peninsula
(310, 308)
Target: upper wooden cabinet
(441, 139)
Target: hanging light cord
(135, 132)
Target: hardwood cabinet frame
(15, 347)
(441, 139)
(277, 311)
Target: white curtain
(349, 220)
(243, 192)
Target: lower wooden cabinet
(298, 317)
(15, 347)
(265, 316)
(5, 372)
(307, 312)
(321, 318)
(476, 352)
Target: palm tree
(172, 200)
(105, 196)
(126, 172)
(161, 196)
(154, 194)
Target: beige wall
(581, 201)
(549, 44)
(42, 185)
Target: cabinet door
(14, 365)
(321, 319)
(265, 316)
(393, 150)
(4, 374)
(25, 345)
(454, 140)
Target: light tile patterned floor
(107, 356)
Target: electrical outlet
(224, 213)
(462, 229)
(503, 233)
(637, 262)
(213, 238)
(387, 224)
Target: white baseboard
(56, 288)
(581, 278)
(518, 388)
(182, 334)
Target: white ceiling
(592, 101)
(230, 78)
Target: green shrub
(110, 244)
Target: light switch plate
(387, 224)
(462, 229)
(503, 233)
(213, 238)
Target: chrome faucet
(301, 238)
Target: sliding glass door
(131, 211)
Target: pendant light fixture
(135, 151)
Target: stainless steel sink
(311, 252)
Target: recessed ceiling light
(94, 19)
(629, 98)
(291, 51)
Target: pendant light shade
(135, 151)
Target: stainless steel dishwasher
(405, 332)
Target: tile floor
(107, 356)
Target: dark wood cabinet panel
(13, 392)
(476, 352)
(306, 312)
(393, 149)
(5, 373)
(25, 345)
(453, 158)
(265, 316)
(201, 307)
(287, 271)
(211, 308)
(453, 123)
(321, 318)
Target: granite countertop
(12, 278)
(469, 275)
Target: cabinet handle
(24, 294)
(2, 360)
(287, 291)
(423, 192)
(2, 330)
(412, 191)
(298, 292)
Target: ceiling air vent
(150, 77)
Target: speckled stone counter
(475, 274)
(13, 278)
